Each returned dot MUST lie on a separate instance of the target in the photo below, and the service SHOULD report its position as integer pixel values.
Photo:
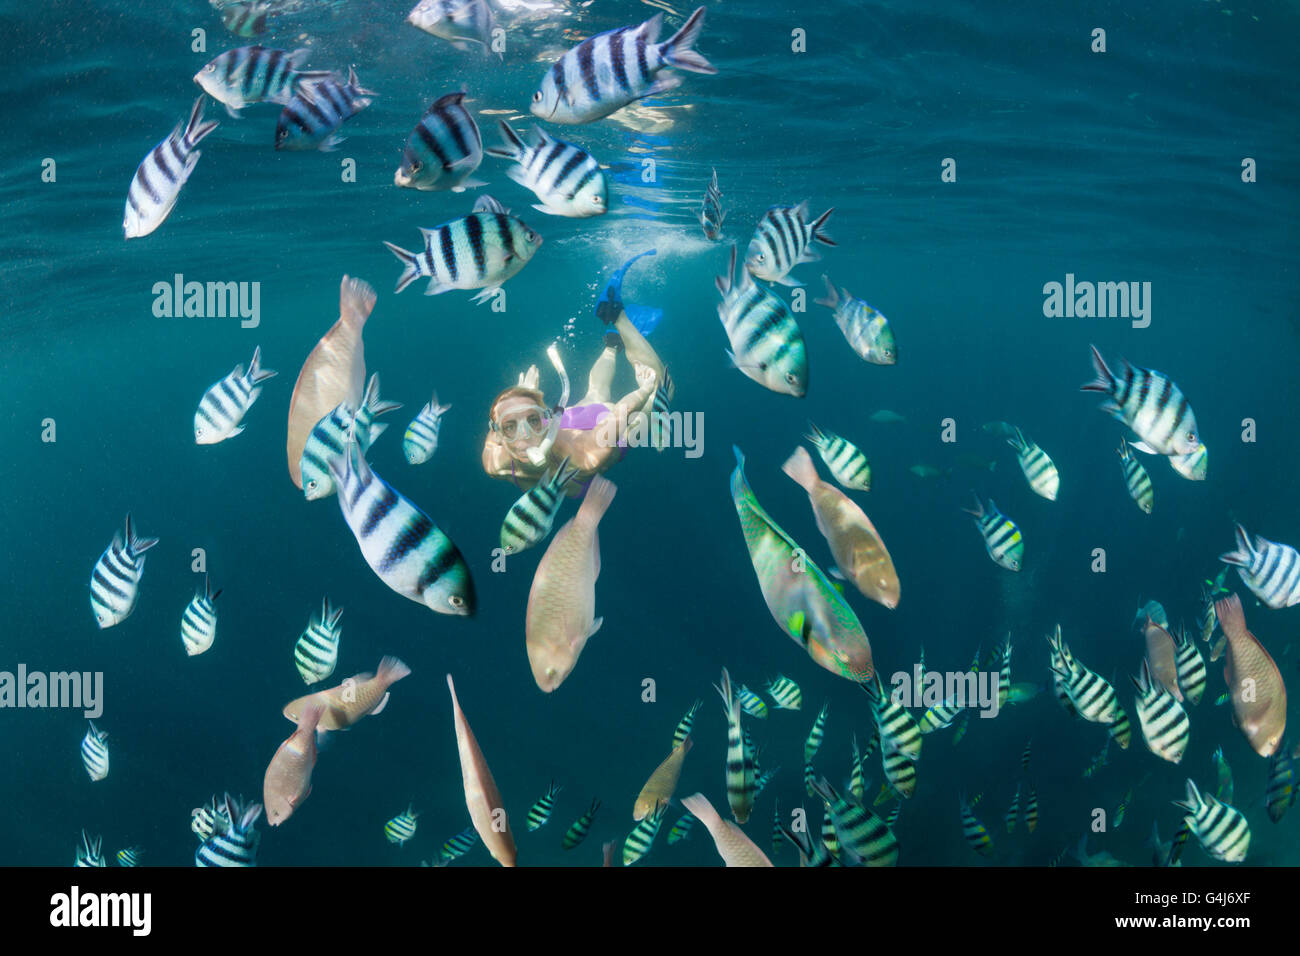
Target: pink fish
(288, 776)
(482, 798)
(1258, 694)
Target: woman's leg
(600, 380)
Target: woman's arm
(613, 428)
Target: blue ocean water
(1117, 166)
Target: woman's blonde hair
(516, 391)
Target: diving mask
(532, 422)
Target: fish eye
(761, 256)
(210, 68)
(537, 97)
(456, 601)
(311, 485)
(1191, 436)
(791, 378)
(416, 165)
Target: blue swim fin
(611, 297)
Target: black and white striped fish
(740, 762)
(400, 542)
(566, 178)
(766, 342)
(857, 780)
(866, 330)
(421, 438)
(1191, 667)
(316, 653)
(684, 726)
(1091, 695)
(1002, 538)
(94, 752)
(811, 852)
(540, 811)
(847, 464)
(115, 580)
(480, 251)
(1221, 829)
(813, 742)
(895, 723)
(235, 844)
(1013, 812)
(939, 716)
(246, 19)
(785, 692)
(784, 239)
(751, 703)
(206, 820)
(682, 828)
(610, 70)
(582, 826)
(443, 150)
(457, 846)
(255, 74)
(660, 424)
(1282, 790)
(1004, 673)
(224, 405)
(1039, 470)
(976, 834)
(1269, 569)
(643, 835)
(864, 839)
(312, 118)
(130, 856)
(711, 213)
(529, 519)
(1149, 403)
(158, 179)
(199, 622)
(1136, 479)
(402, 827)
(90, 852)
(462, 23)
(900, 769)
(1120, 729)
(1031, 809)
(330, 436)
(1164, 723)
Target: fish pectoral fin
(578, 643)
(788, 280)
(383, 702)
(799, 626)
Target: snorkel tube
(537, 454)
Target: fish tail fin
(599, 494)
(723, 283)
(799, 466)
(978, 511)
(391, 670)
(832, 299)
(437, 409)
(257, 374)
(1231, 617)
(355, 85)
(679, 50)
(410, 266)
(817, 231)
(1105, 381)
(1241, 557)
(137, 546)
(512, 146)
(196, 129)
(356, 299)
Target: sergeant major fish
(421, 438)
(606, 72)
(311, 119)
(868, 332)
(115, 579)
(784, 239)
(711, 213)
(1149, 403)
(329, 439)
(255, 74)
(158, 179)
(462, 23)
(479, 251)
(443, 150)
(566, 178)
(224, 405)
(766, 342)
(402, 545)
